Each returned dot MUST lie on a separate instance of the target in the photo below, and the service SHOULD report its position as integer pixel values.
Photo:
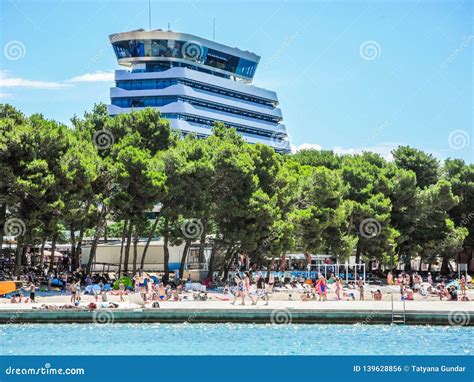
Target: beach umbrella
(455, 283)
(127, 281)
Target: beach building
(108, 258)
(195, 82)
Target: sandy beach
(278, 300)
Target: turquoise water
(233, 339)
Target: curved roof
(158, 34)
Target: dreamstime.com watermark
(281, 317)
(370, 228)
(467, 40)
(44, 370)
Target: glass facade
(146, 84)
(154, 101)
(187, 50)
(143, 101)
(150, 84)
(200, 99)
(210, 122)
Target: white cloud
(5, 95)
(94, 77)
(8, 81)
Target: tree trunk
(183, 258)
(202, 239)
(135, 249)
(3, 214)
(127, 248)
(408, 263)
(211, 261)
(43, 243)
(166, 251)
(73, 246)
(106, 231)
(358, 251)
(229, 264)
(53, 249)
(79, 246)
(444, 266)
(18, 257)
(95, 242)
(124, 233)
(226, 259)
(150, 238)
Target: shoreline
(277, 312)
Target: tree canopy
(103, 175)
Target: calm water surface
(233, 339)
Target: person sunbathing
(377, 295)
(161, 292)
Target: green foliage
(243, 198)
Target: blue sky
(350, 75)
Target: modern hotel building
(195, 82)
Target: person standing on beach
(246, 289)
(338, 287)
(389, 278)
(121, 291)
(261, 288)
(238, 287)
(32, 292)
(271, 282)
(73, 289)
(323, 288)
(361, 285)
(463, 285)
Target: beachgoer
(104, 296)
(407, 280)
(389, 278)
(463, 285)
(440, 291)
(271, 283)
(338, 287)
(453, 293)
(161, 292)
(64, 280)
(73, 289)
(430, 278)
(321, 288)
(378, 295)
(121, 291)
(361, 285)
(239, 288)
(32, 292)
(261, 288)
(246, 289)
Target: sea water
(233, 339)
